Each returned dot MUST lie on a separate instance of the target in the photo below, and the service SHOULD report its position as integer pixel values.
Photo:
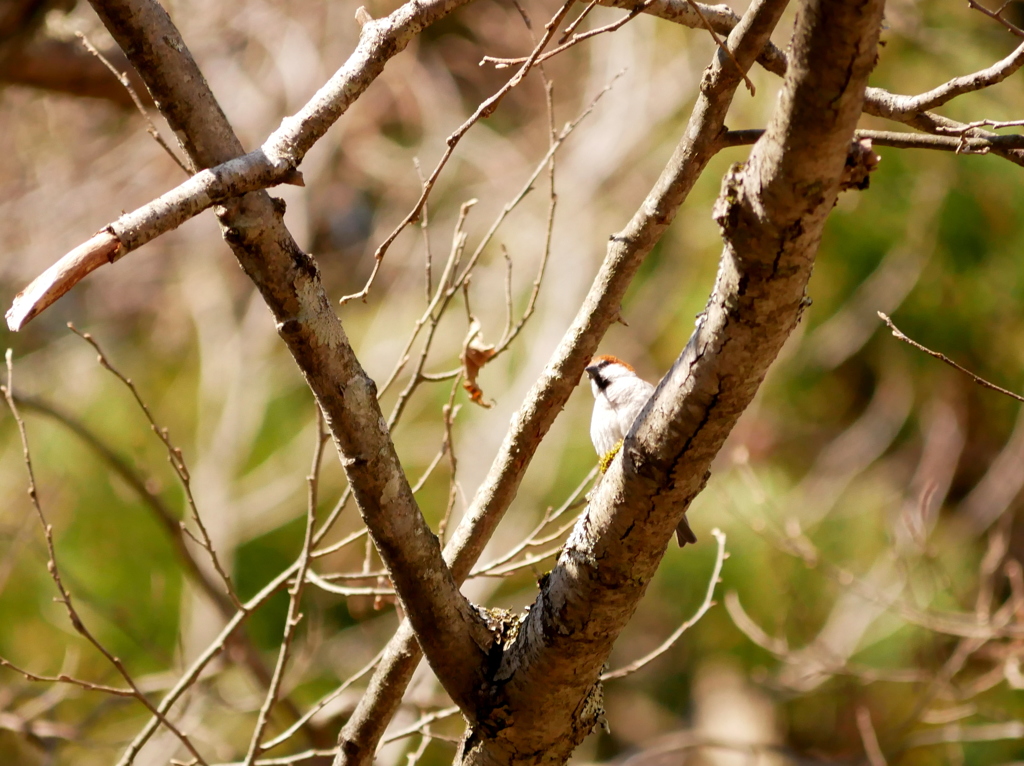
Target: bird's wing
(628, 410)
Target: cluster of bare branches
(529, 685)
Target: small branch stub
(363, 16)
(103, 247)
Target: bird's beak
(591, 371)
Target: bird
(619, 396)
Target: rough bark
(546, 695)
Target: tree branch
(228, 173)
(890, 103)
(904, 140)
(453, 635)
(878, 102)
(721, 18)
(772, 213)
(560, 377)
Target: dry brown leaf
(475, 354)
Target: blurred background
(868, 494)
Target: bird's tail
(684, 534)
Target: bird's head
(605, 370)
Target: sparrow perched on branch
(619, 395)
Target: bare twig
(529, 562)
(533, 539)
(868, 737)
(322, 703)
(705, 605)
(335, 547)
(504, 63)
(66, 679)
(997, 124)
(485, 109)
(175, 458)
(293, 617)
(343, 590)
(122, 77)
(425, 229)
(571, 27)
(55, 575)
(418, 726)
(943, 358)
(998, 16)
(448, 413)
(955, 87)
(722, 46)
(511, 332)
(962, 144)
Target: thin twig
(511, 333)
(294, 616)
(346, 541)
(943, 358)
(576, 22)
(418, 726)
(722, 46)
(708, 602)
(349, 576)
(532, 539)
(314, 754)
(872, 749)
(55, 575)
(329, 522)
(322, 703)
(485, 109)
(63, 678)
(504, 63)
(122, 77)
(174, 457)
(344, 590)
(414, 757)
(997, 16)
(439, 302)
(449, 411)
(425, 229)
(446, 290)
(997, 124)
